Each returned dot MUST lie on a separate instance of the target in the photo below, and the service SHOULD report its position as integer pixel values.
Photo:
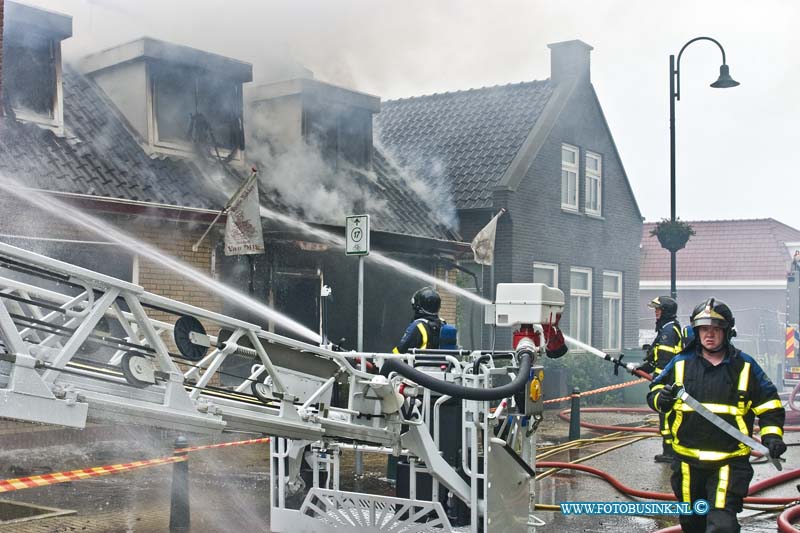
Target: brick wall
(448, 309)
(176, 241)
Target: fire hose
(459, 391)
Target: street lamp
(723, 82)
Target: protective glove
(666, 398)
(555, 346)
(775, 444)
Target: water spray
(374, 256)
(70, 214)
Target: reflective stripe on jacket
(737, 390)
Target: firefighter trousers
(723, 486)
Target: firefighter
(709, 463)
(424, 330)
(667, 344)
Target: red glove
(555, 346)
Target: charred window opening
(30, 74)
(182, 95)
(343, 135)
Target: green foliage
(672, 235)
(589, 372)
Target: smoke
(301, 178)
(434, 189)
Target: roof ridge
(726, 220)
(464, 91)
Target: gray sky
(734, 146)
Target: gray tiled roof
(97, 156)
(100, 156)
(469, 138)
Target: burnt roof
(468, 138)
(100, 156)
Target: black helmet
(668, 306)
(426, 300)
(713, 312)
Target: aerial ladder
(77, 345)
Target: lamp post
(723, 82)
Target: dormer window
(335, 120)
(343, 135)
(179, 100)
(31, 77)
(32, 64)
(189, 103)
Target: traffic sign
(357, 235)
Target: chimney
(570, 60)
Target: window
(612, 310)
(31, 78)
(343, 136)
(580, 304)
(181, 95)
(546, 273)
(569, 177)
(594, 183)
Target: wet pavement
(230, 487)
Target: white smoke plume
(301, 178)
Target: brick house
(543, 151)
(114, 136)
(742, 262)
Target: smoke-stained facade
(152, 140)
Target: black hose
(476, 366)
(458, 391)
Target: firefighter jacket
(667, 344)
(422, 333)
(737, 390)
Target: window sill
(43, 121)
(570, 210)
(180, 149)
(595, 216)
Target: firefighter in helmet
(424, 330)
(667, 344)
(709, 464)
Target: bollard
(575, 415)
(179, 518)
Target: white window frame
(593, 177)
(55, 121)
(179, 148)
(575, 169)
(581, 293)
(608, 295)
(553, 267)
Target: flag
(483, 243)
(243, 233)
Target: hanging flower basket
(672, 235)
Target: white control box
(527, 303)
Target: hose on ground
(754, 489)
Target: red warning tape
(223, 445)
(598, 391)
(8, 485)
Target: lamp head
(724, 81)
